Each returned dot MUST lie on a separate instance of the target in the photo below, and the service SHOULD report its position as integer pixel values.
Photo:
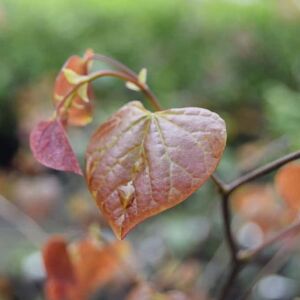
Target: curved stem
(114, 63)
(147, 91)
(152, 98)
(117, 74)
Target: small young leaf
(80, 113)
(74, 71)
(287, 183)
(83, 92)
(72, 77)
(141, 163)
(50, 146)
(143, 75)
(132, 86)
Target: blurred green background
(239, 58)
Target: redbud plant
(139, 162)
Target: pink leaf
(141, 163)
(50, 146)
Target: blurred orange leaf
(95, 264)
(61, 282)
(287, 183)
(257, 203)
(254, 201)
(74, 272)
(141, 163)
(50, 146)
(77, 110)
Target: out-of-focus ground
(239, 58)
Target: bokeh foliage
(225, 55)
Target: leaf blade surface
(141, 163)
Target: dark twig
(240, 258)
(235, 269)
(114, 63)
(221, 185)
(226, 213)
(262, 171)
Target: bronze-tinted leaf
(96, 264)
(56, 259)
(75, 271)
(287, 183)
(50, 146)
(79, 112)
(141, 163)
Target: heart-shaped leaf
(50, 146)
(78, 110)
(141, 163)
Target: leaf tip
(143, 76)
(118, 231)
(132, 86)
